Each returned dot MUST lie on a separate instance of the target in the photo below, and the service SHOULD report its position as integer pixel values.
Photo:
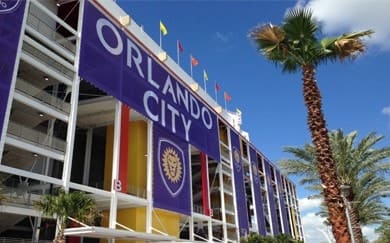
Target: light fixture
(218, 109)
(194, 86)
(162, 56)
(40, 114)
(125, 20)
(46, 78)
(35, 155)
(58, 4)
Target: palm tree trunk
(325, 163)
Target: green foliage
(296, 42)
(78, 205)
(359, 164)
(256, 238)
(384, 232)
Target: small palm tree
(295, 46)
(78, 205)
(361, 169)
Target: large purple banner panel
(171, 173)
(239, 185)
(257, 192)
(271, 198)
(11, 20)
(283, 208)
(113, 61)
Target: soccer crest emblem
(255, 173)
(171, 163)
(236, 159)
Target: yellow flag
(205, 77)
(163, 29)
(239, 112)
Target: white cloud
(306, 204)
(354, 15)
(386, 111)
(369, 233)
(315, 230)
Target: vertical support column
(87, 157)
(210, 230)
(36, 229)
(149, 178)
(4, 123)
(124, 142)
(205, 184)
(191, 219)
(70, 136)
(223, 213)
(116, 184)
(255, 213)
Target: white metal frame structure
(55, 134)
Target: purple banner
(271, 198)
(283, 208)
(257, 192)
(239, 185)
(11, 20)
(171, 174)
(113, 61)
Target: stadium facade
(89, 102)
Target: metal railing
(45, 29)
(198, 208)
(136, 191)
(36, 137)
(45, 59)
(22, 240)
(42, 95)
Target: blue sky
(355, 94)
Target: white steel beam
(149, 179)
(40, 106)
(50, 43)
(48, 52)
(70, 136)
(44, 68)
(56, 18)
(34, 148)
(3, 129)
(87, 157)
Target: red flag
(194, 61)
(179, 46)
(217, 87)
(227, 96)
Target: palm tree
(361, 170)
(256, 238)
(384, 232)
(295, 46)
(77, 205)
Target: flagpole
(178, 54)
(215, 90)
(204, 84)
(225, 104)
(191, 64)
(160, 36)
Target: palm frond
(358, 163)
(348, 45)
